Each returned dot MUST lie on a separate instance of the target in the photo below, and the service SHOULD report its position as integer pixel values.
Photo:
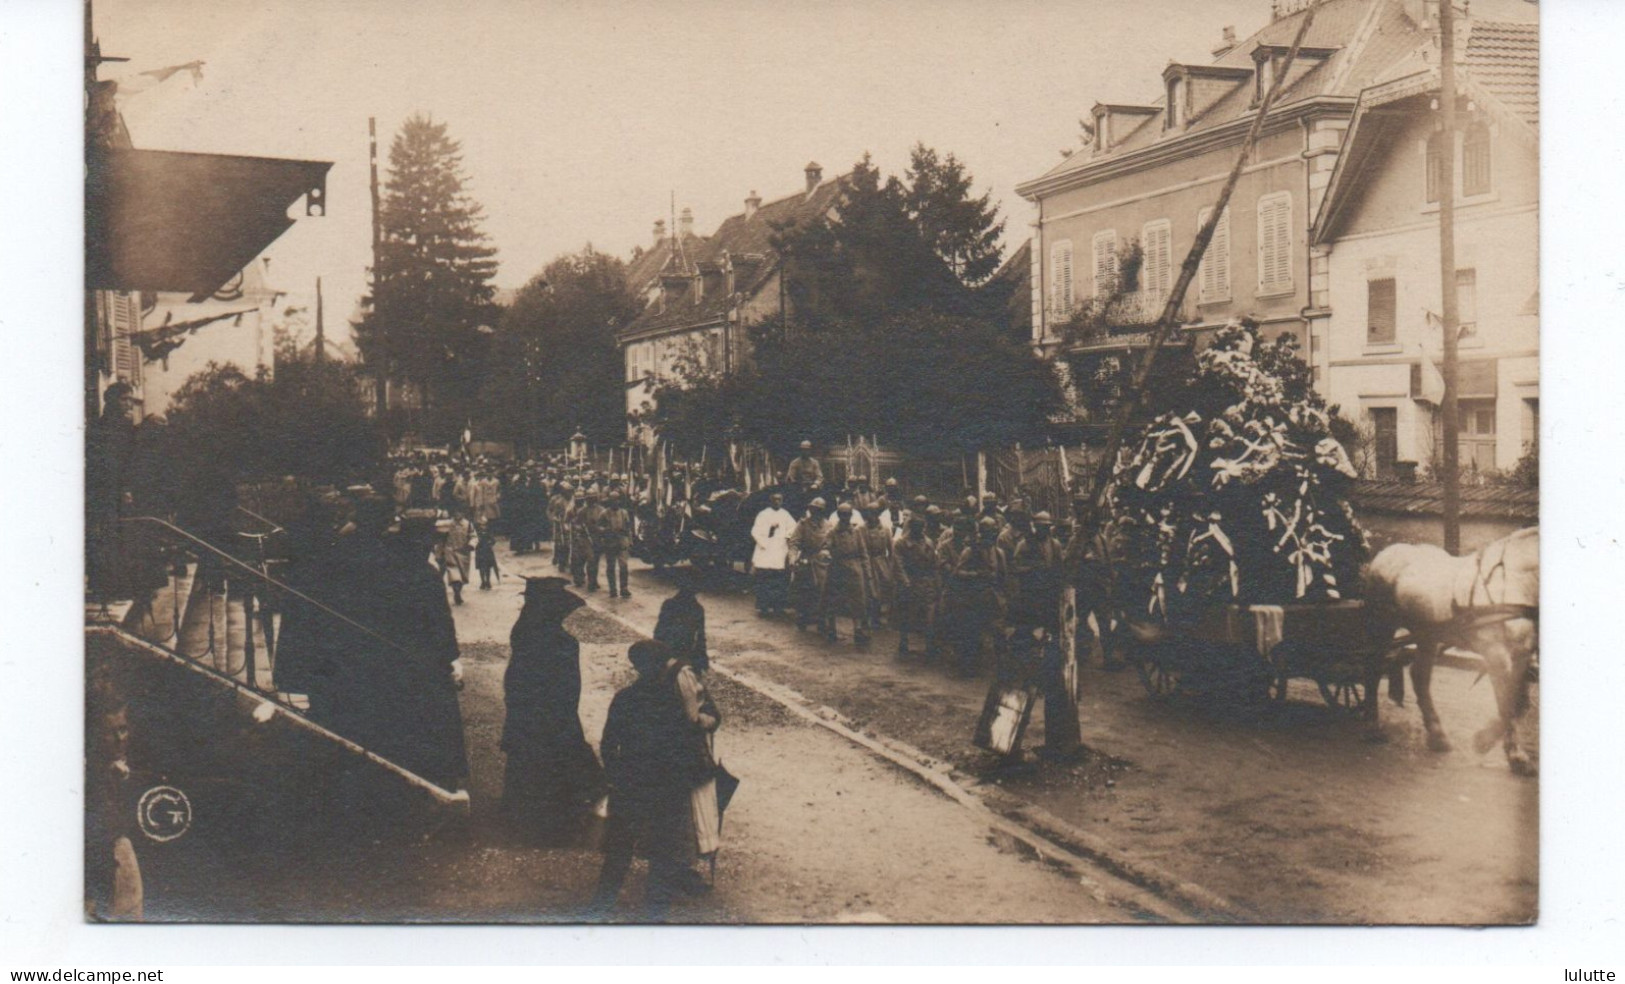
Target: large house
(1115, 220)
(701, 293)
(1379, 229)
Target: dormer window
(1175, 102)
(1103, 122)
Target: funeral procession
(498, 510)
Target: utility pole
(321, 335)
(381, 388)
(1449, 409)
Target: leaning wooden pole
(1187, 272)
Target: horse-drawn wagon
(1251, 652)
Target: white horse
(1486, 603)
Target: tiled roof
(644, 267)
(1504, 58)
(748, 242)
(1369, 37)
(1427, 498)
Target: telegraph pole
(381, 396)
(1449, 409)
(321, 335)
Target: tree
(870, 261)
(224, 427)
(963, 231)
(932, 383)
(556, 364)
(432, 290)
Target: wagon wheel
(1346, 695)
(1161, 682)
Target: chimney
(1228, 44)
(815, 176)
(660, 231)
(752, 203)
(685, 223)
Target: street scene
(963, 533)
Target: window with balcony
(1275, 243)
(1380, 311)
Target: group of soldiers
(592, 525)
(985, 574)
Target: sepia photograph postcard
(760, 463)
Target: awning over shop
(159, 220)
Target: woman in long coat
(553, 779)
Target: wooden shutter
(1380, 306)
(1060, 276)
(1275, 242)
(1158, 276)
(126, 321)
(1475, 161)
(1105, 261)
(1215, 269)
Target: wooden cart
(1252, 651)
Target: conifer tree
(432, 292)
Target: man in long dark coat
(553, 779)
(652, 765)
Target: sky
(581, 119)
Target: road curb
(1155, 894)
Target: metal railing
(222, 611)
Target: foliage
(1240, 491)
(963, 231)
(556, 366)
(888, 337)
(929, 382)
(1526, 473)
(225, 427)
(432, 292)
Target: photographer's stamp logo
(164, 813)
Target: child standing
(485, 556)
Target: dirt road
(1300, 815)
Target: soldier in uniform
(615, 542)
(1039, 567)
(810, 565)
(980, 577)
(883, 577)
(917, 567)
(558, 505)
(804, 470)
(847, 591)
(589, 544)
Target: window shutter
(1215, 270)
(126, 357)
(1380, 306)
(1060, 276)
(1435, 165)
(1105, 260)
(1158, 266)
(1275, 242)
(1475, 161)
